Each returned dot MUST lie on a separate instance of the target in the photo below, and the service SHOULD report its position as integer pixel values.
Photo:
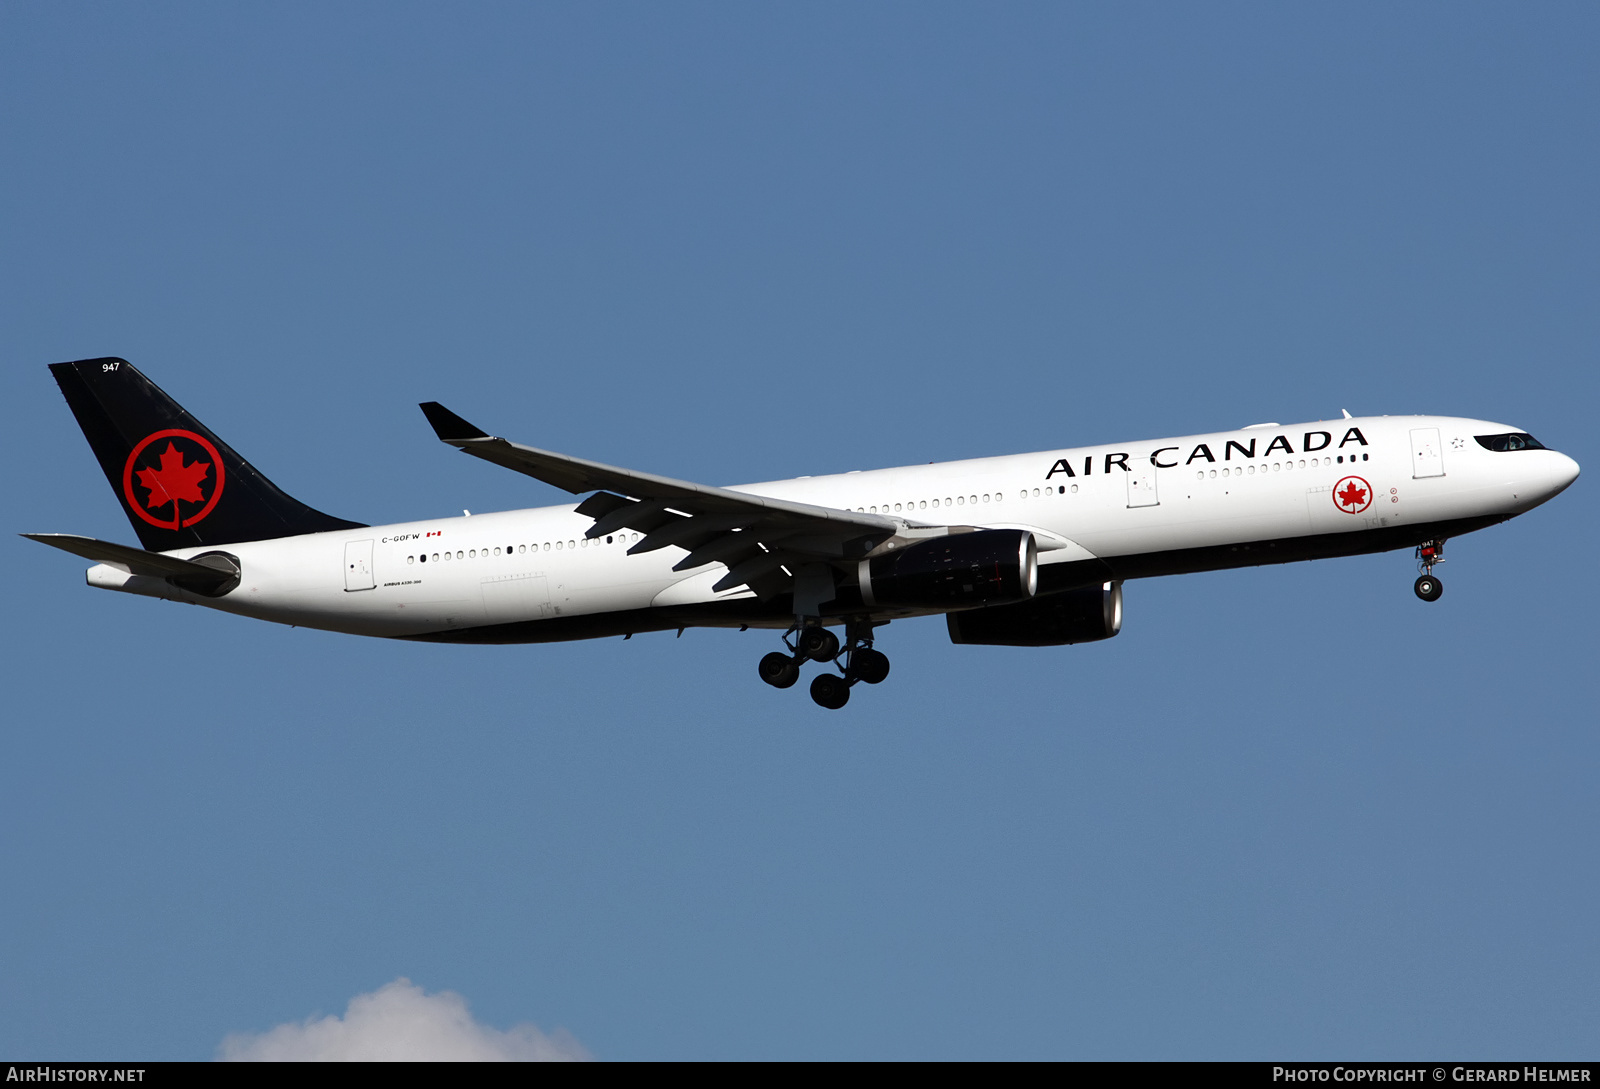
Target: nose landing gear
(857, 662)
(1427, 587)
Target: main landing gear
(1427, 587)
(856, 662)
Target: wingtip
(447, 425)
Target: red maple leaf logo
(173, 483)
(1352, 497)
(174, 480)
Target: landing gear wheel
(830, 690)
(779, 670)
(1429, 588)
(869, 665)
(819, 644)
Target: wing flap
(601, 503)
(689, 532)
(728, 548)
(748, 571)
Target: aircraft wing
(759, 538)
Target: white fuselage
(1267, 483)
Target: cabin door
(358, 566)
(1427, 459)
(1142, 484)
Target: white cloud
(399, 1023)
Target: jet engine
(988, 566)
(1073, 616)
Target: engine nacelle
(1073, 616)
(988, 566)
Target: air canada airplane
(1022, 550)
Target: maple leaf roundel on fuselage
(1352, 494)
(173, 478)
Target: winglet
(447, 425)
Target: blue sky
(1287, 812)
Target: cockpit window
(1516, 440)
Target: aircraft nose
(1566, 471)
(1546, 477)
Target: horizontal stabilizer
(136, 560)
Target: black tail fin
(177, 482)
